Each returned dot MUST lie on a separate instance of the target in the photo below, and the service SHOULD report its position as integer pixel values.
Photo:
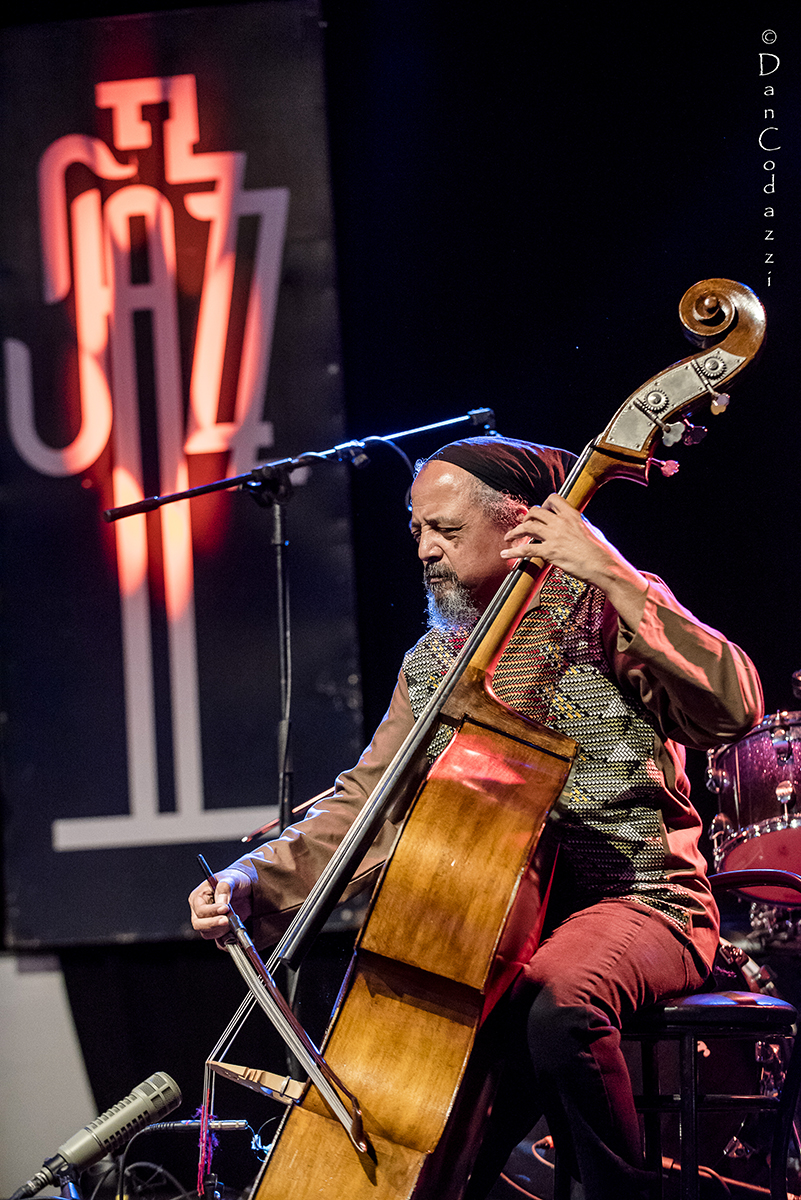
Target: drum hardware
(746, 974)
(770, 1057)
(720, 829)
(777, 927)
(758, 784)
(781, 743)
(715, 777)
(737, 1148)
(784, 794)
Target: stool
(699, 1018)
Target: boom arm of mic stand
(260, 476)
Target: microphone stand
(270, 485)
(275, 492)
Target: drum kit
(758, 824)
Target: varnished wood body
(457, 911)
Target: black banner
(172, 319)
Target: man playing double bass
(607, 656)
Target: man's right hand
(209, 908)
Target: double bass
(459, 906)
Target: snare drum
(758, 784)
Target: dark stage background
(520, 202)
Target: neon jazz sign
(87, 255)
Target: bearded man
(606, 655)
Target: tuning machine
(708, 369)
(693, 434)
(668, 468)
(672, 431)
(679, 431)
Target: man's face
(455, 536)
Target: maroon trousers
(558, 1035)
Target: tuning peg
(693, 434)
(668, 468)
(671, 434)
(675, 431)
(720, 402)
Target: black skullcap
(519, 468)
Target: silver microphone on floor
(157, 1096)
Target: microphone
(157, 1096)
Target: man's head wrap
(518, 468)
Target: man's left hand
(567, 540)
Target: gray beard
(451, 609)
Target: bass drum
(758, 784)
(733, 1146)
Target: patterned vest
(556, 671)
